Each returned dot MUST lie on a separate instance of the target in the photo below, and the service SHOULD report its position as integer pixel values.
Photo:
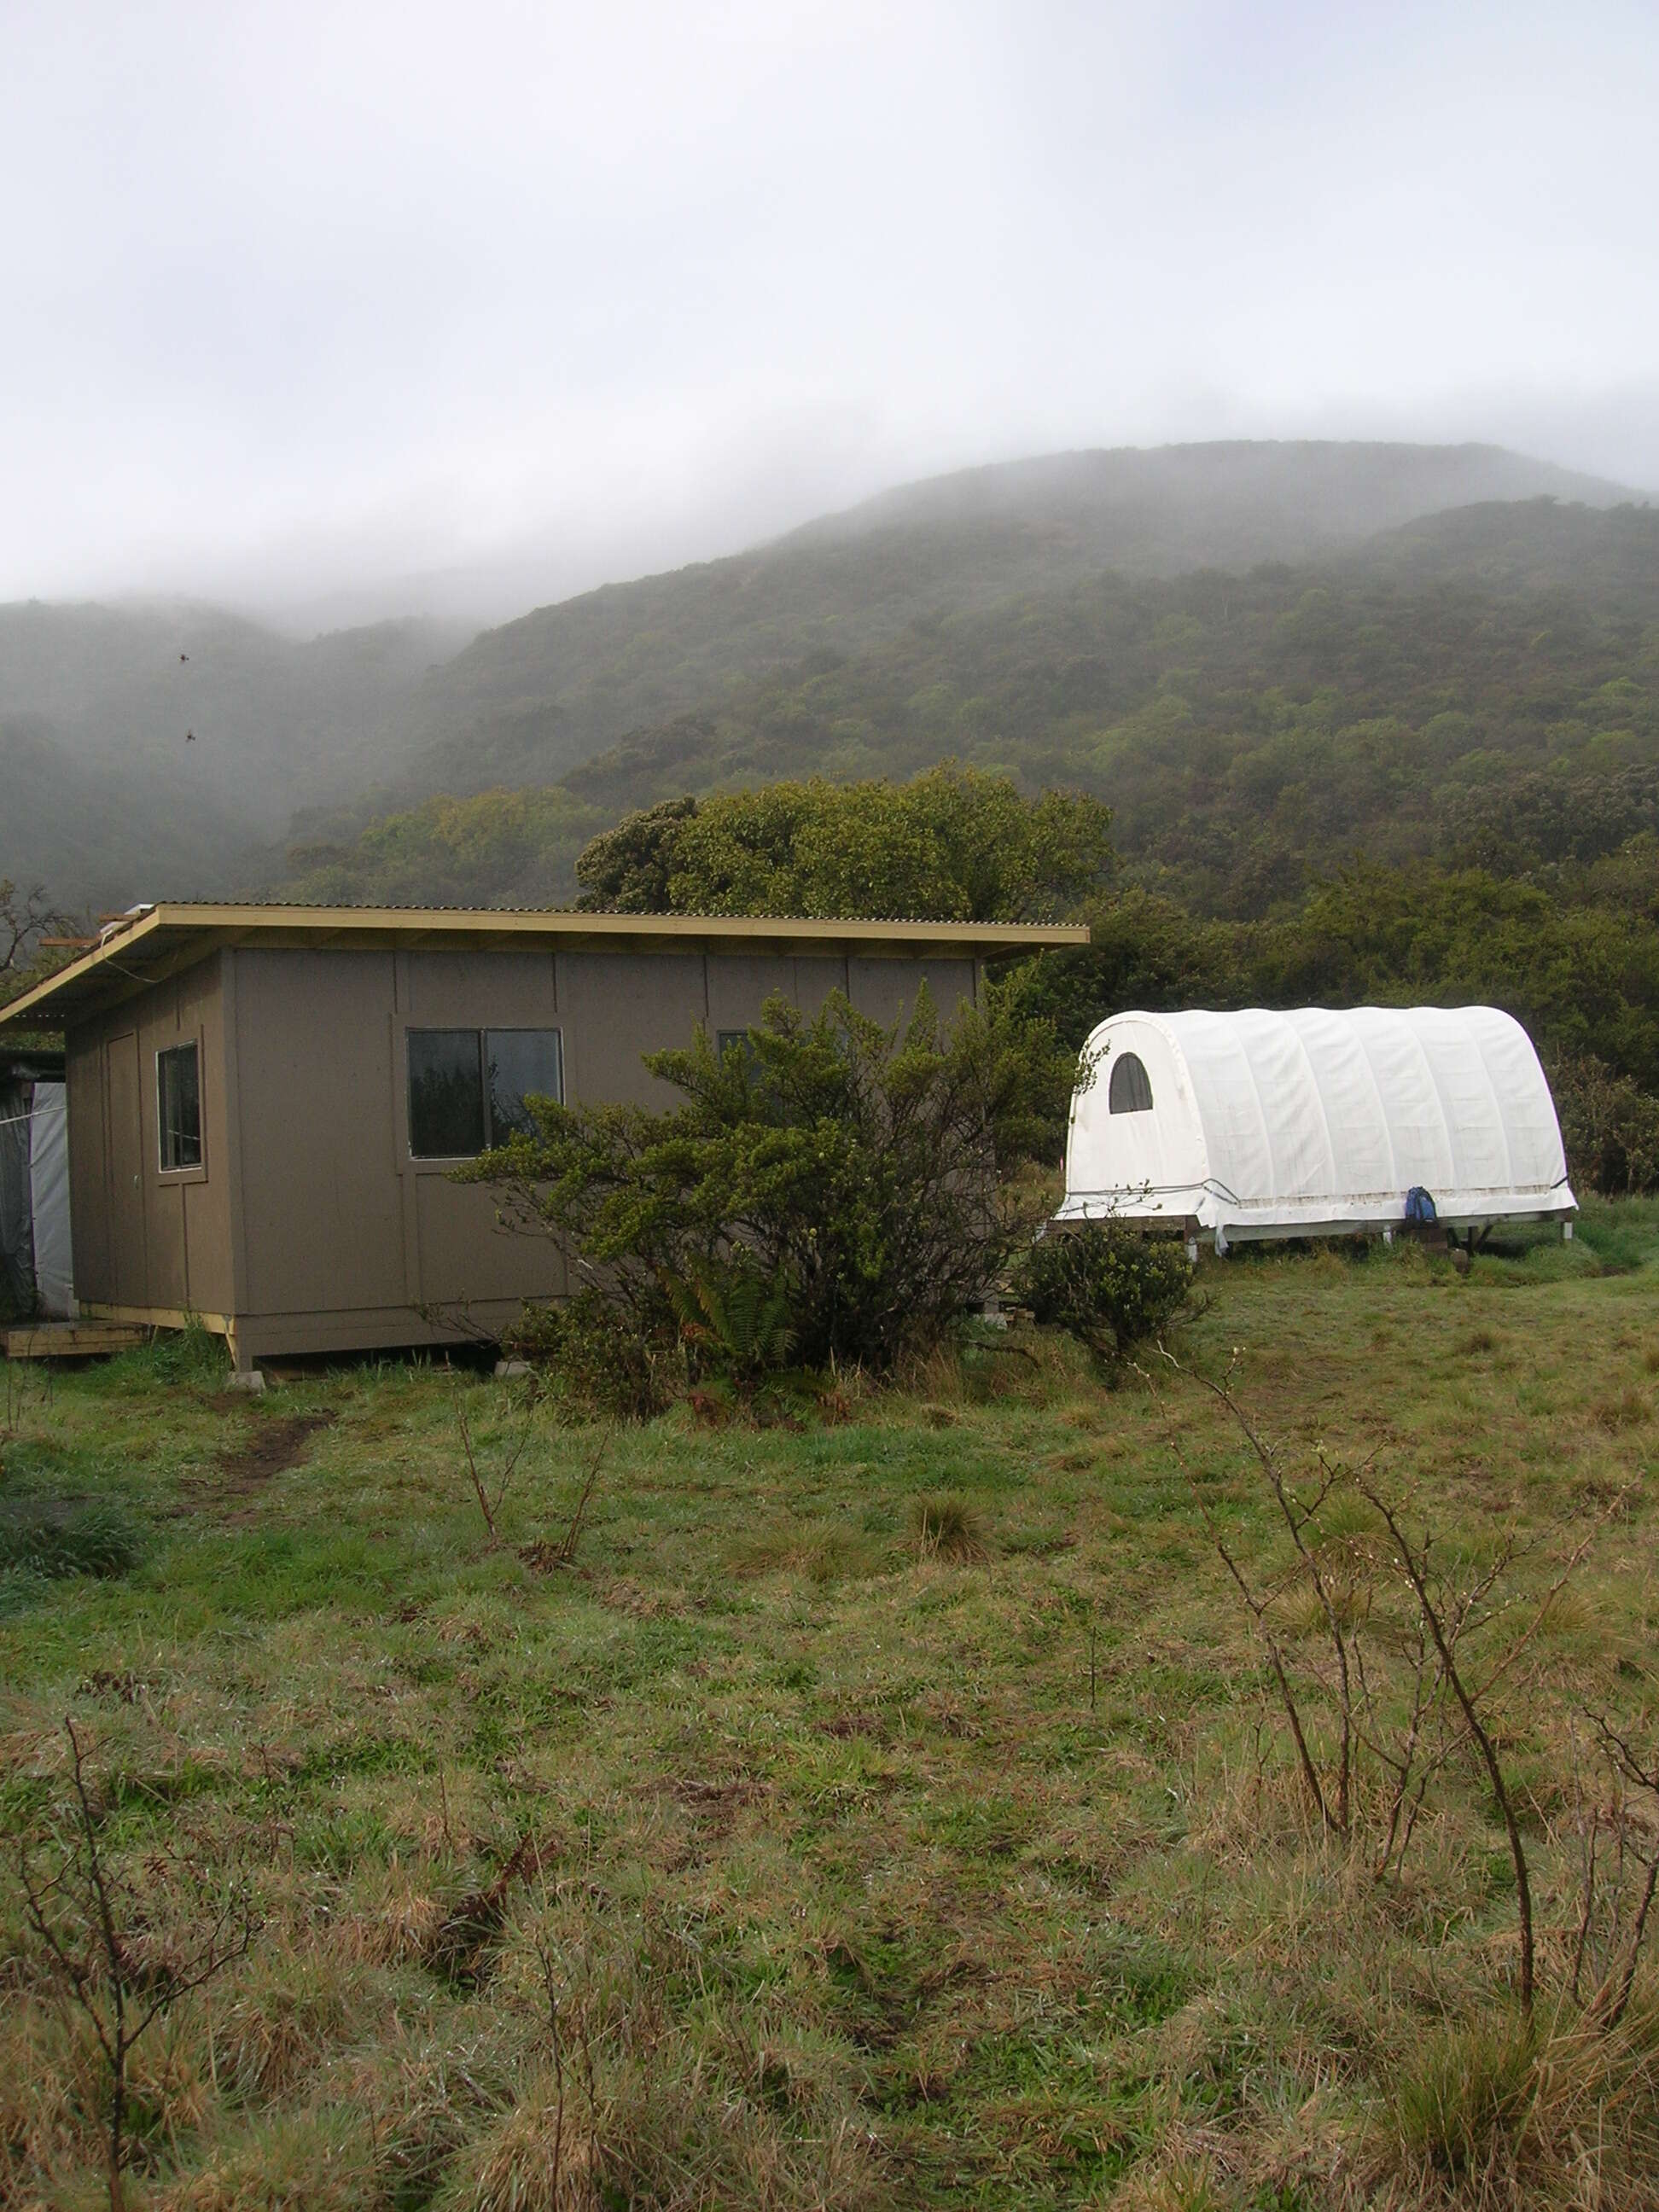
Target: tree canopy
(952, 845)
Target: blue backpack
(1420, 1206)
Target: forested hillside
(527, 701)
(1483, 686)
(1423, 769)
(172, 747)
(1419, 763)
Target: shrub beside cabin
(265, 1101)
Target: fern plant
(735, 1318)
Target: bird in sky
(190, 737)
(183, 656)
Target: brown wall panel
(143, 1237)
(814, 979)
(740, 984)
(123, 1167)
(321, 1195)
(477, 990)
(886, 989)
(617, 1006)
(458, 1254)
(206, 1205)
(466, 1259)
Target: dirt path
(267, 1447)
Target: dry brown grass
(948, 1527)
(874, 1879)
(1628, 1409)
(539, 2157)
(1495, 2111)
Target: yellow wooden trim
(203, 927)
(110, 951)
(403, 922)
(68, 1340)
(159, 1317)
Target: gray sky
(303, 298)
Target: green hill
(1483, 683)
(528, 701)
(107, 834)
(1140, 623)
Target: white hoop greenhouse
(1313, 1123)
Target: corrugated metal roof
(152, 942)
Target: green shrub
(602, 1359)
(1609, 1127)
(836, 1193)
(952, 844)
(733, 1319)
(1105, 1285)
(54, 1537)
(1623, 1234)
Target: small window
(178, 1107)
(467, 1088)
(743, 1042)
(445, 1094)
(522, 1064)
(1130, 1092)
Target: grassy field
(894, 1811)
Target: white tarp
(1265, 1124)
(16, 1245)
(49, 1191)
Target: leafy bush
(1609, 1127)
(55, 1537)
(835, 1192)
(1105, 1285)
(604, 1361)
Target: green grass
(910, 1820)
(49, 1537)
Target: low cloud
(317, 308)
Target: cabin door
(128, 1259)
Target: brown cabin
(265, 1103)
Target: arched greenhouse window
(1130, 1091)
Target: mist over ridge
(172, 746)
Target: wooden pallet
(72, 1339)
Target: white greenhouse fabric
(49, 1189)
(1275, 1123)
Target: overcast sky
(302, 299)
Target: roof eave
(202, 929)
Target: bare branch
(488, 1505)
(77, 1915)
(1416, 1573)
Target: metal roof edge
(238, 921)
(112, 937)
